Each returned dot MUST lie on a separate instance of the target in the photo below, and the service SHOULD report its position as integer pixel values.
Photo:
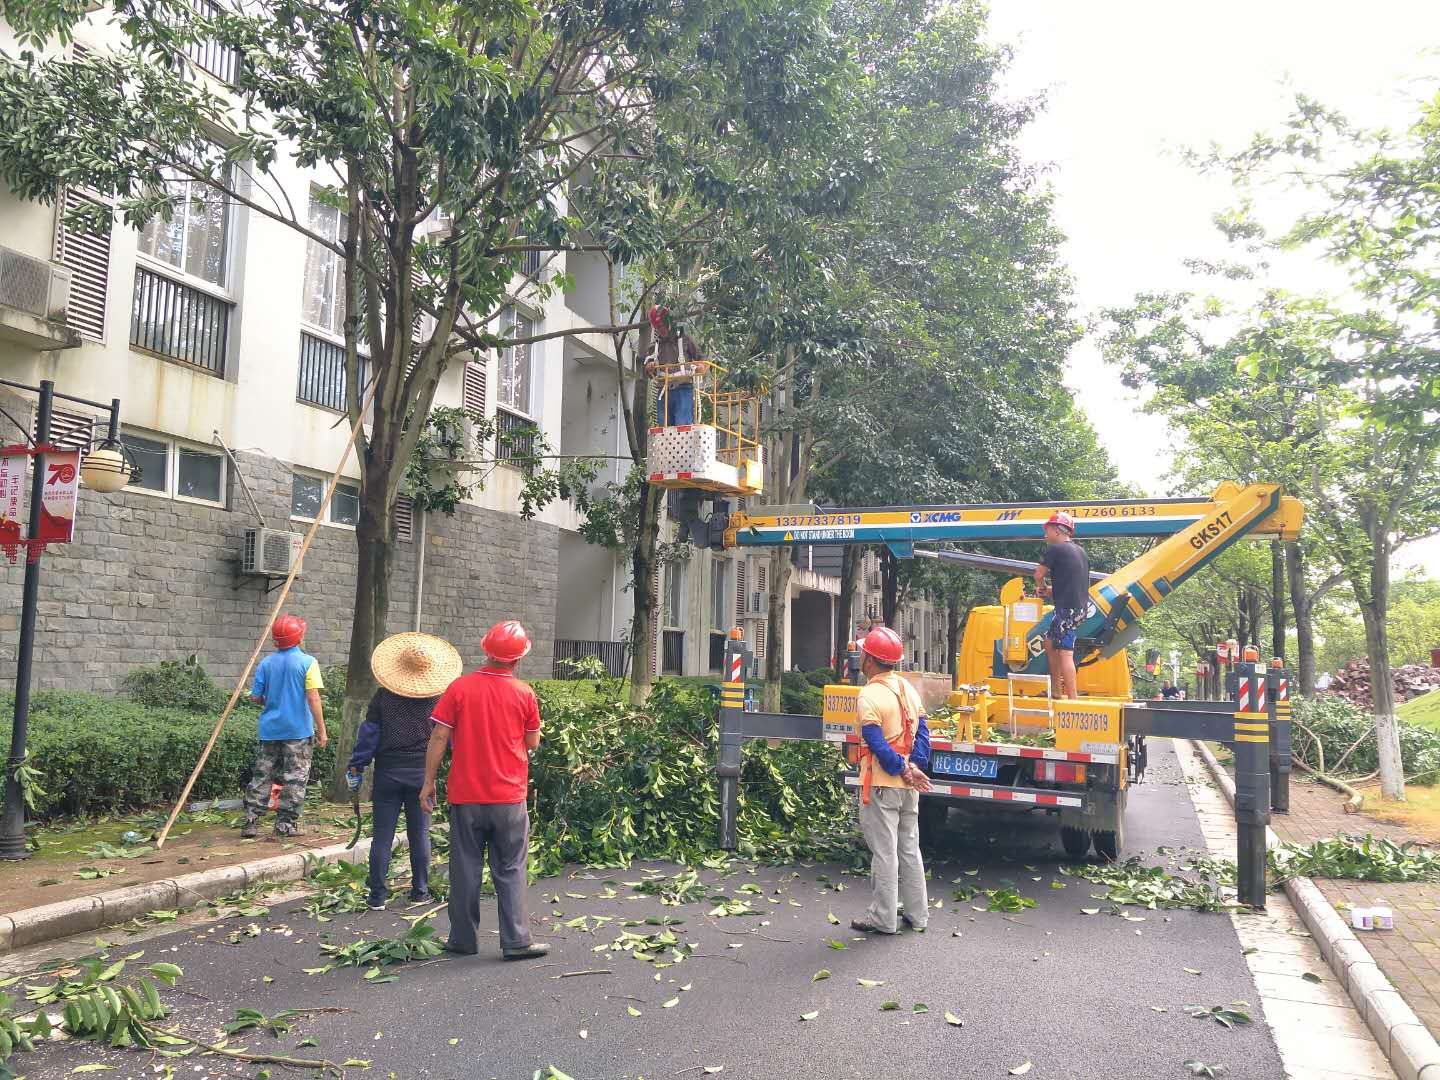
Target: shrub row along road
(1074, 995)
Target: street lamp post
(12, 820)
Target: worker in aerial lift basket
(1064, 574)
(896, 749)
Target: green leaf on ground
(870, 982)
(1311, 977)
(810, 1015)
(1199, 1068)
(823, 973)
(632, 1010)
(953, 1020)
(889, 1006)
(1021, 1070)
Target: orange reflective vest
(901, 744)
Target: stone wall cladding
(151, 578)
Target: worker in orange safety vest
(896, 750)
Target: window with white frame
(307, 492)
(515, 385)
(324, 297)
(195, 238)
(176, 469)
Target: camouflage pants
(285, 762)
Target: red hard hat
(506, 642)
(658, 319)
(288, 631)
(1063, 520)
(884, 645)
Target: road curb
(84, 914)
(1405, 1041)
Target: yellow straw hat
(415, 665)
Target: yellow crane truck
(1095, 743)
(1003, 686)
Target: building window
(194, 239)
(176, 470)
(719, 594)
(674, 594)
(185, 320)
(324, 298)
(307, 492)
(516, 374)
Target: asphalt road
(1074, 995)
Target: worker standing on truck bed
(1064, 572)
(896, 750)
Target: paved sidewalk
(1319, 1031)
(1410, 954)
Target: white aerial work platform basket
(718, 452)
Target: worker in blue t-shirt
(292, 721)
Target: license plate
(969, 766)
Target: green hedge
(100, 754)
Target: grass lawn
(1423, 711)
(1420, 812)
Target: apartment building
(219, 332)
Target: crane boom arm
(1192, 532)
(901, 527)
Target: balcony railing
(672, 652)
(514, 436)
(219, 60)
(322, 373)
(531, 263)
(180, 321)
(613, 654)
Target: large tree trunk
(780, 568)
(372, 610)
(1277, 599)
(1373, 608)
(890, 588)
(953, 622)
(1302, 605)
(643, 566)
(845, 602)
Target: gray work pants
(502, 830)
(891, 826)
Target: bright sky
(1130, 82)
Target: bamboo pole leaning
(274, 614)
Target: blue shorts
(1063, 625)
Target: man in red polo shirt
(490, 720)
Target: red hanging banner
(59, 495)
(13, 462)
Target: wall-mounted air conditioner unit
(270, 552)
(35, 286)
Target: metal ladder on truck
(1048, 712)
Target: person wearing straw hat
(489, 721)
(413, 670)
